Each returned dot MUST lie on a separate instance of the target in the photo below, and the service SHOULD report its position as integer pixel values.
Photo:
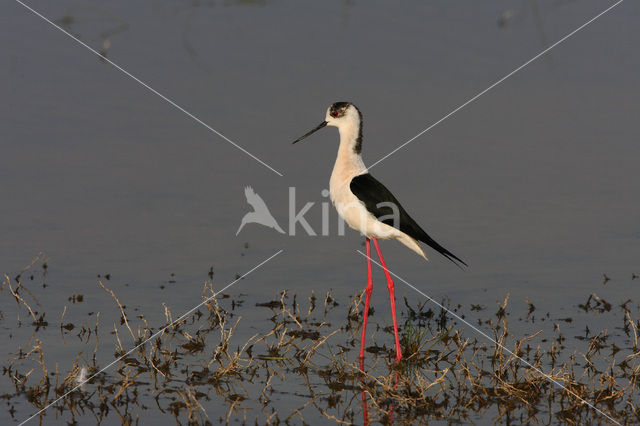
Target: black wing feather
(372, 193)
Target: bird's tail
(443, 251)
(413, 244)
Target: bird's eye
(334, 114)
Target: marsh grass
(199, 371)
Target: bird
(261, 213)
(367, 206)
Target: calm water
(536, 185)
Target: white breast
(351, 209)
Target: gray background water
(536, 185)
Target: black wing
(377, 199)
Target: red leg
(392, 297)
(392, 408)
(365, 409)
(369, 289)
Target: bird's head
(342, 115)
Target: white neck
(349, 162)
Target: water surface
(535, 185)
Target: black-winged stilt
(368, 206)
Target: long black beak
(320, 126)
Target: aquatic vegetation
(300, 362)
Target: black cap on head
(338, 109)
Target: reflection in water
(365, 409)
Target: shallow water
(535, 184)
